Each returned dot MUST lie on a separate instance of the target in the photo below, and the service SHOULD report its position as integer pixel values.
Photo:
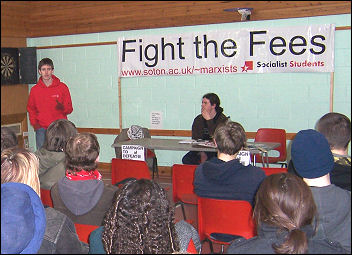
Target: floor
(190, 210)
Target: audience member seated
(224, 177)
(51, 155)
(336, 128)
(141, 220)
(22, 219)
(81, 194)
(8, 138)
(203, 127)
(21, 166)
(314, 161)
(284, 212)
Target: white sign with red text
(247, 50)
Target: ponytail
(296, 243)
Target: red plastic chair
(233, 217)
(182, 186)
(273, 135)
(45, 196)
(274, 170)
(125, 168)
(84, 230)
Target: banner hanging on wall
(248, 50)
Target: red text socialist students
(49, 100)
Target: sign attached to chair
(133, 152)
(244, 157)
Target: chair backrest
(225, 216)
(125, 168)
(45, 196)
(84, 230)
(274, 170)
(275, 135)
(182, 182)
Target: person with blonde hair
(284, 213)
(21, 166)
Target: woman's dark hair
(8, 138)
(286, 201)
(57, 135)
(140, 220)
(82, 152)
(214, 99)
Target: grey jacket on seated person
(60, 235)
(51, 167)
(334, 210)
(268, 235)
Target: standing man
(48, 100)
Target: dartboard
(9, 66)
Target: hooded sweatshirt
(23, 219)
(85, 202)
(334, 214)
(51, 167)
(230, 180)
(42, 103)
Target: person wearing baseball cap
(313, 161)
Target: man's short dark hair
(81, 152)
(230, 137)
(8, 138)
(46, 61)
(336, 128)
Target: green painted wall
(292, 101)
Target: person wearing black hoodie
(224, 177)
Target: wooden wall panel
(75, 17)
(14, 99)
(14, 18)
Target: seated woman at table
(203, 127)
(224, 176)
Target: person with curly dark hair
(141, 220)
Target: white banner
(256, 50)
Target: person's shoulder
(241, 245)
(340, 192)
(198, 117)
(53, 214)
(257, 170)
(326, 246)
(110, 187)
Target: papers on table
(204, 143)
